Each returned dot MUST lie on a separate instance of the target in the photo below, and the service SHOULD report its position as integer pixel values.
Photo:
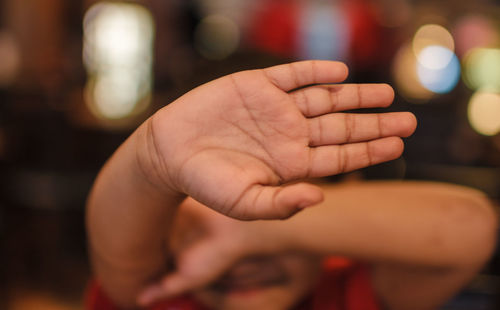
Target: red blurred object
(275, 28)
(366, 33)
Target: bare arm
(233, 144)
(127, 217)
(409, 222)
(424, 240)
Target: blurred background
(76, 78)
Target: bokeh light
(324, 32)
(475, 31)
(484, 113)
(217, 37)
(438, 69)
(118, 56)
(10, 59)
(236, 10)
(482, 69)
(428, 65)
(432, 35)
(405, 75)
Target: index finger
(294, 75)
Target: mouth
(250, 283)
(251, 275)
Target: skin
(253, 277)
(269, 282)
(240, 145)
(255, 130)
(424, 242)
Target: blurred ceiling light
(118, 56)
(405, 75)
(236, 10)
(324, 32)
(438, 69)
(475, 31)
(482, 69)
(484, 113)
(118, 90)
(216, 37)
(433, 35)
(10, 59)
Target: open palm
(235, 143)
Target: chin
(268, 298)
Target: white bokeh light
(118, 56)
(435, 57)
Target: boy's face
(262, 282)
(271, 281)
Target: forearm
(425, 241)
(128, 215)
(411, 223)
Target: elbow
(488, 232)
(473, 225)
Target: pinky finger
(337, 159)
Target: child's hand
(205, 245)
(235, 142)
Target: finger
(279, 202)
(150, 295)
(340, 128)
(298, 74)
(175, 284)
(192, 272)
(321, 99)
(336, 159)
(172, 285)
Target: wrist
(150, 166)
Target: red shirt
(343, 286)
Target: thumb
(192, 272)
(277, 202)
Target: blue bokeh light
(435, 78)
(323, 32)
